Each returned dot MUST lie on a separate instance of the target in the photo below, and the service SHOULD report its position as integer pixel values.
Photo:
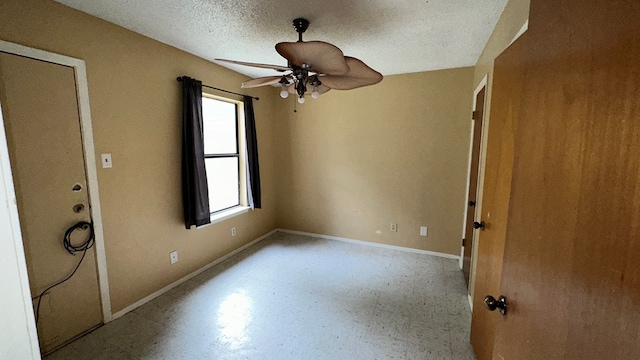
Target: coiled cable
(72, 249)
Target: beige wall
(352, 162)
(347, 165)
(514, 16)
(135, 104)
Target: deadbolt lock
(78, 208)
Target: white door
(41, 117)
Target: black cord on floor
(72, 249)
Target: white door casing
(90, 166)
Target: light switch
(106, 161)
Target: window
(224, 152)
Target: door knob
(478, 225)
(491, 303)
(472, 203)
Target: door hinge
(475, 115)
(462, 242)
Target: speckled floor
(298, 297)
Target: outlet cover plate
(174, 257)
(423, 231)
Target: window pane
(222, 177)
(219, 126)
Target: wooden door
(571, 271)
(467, 242)
(505, 108)
(39, 106)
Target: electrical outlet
(394, 228)
(233, 231)
(174, 257)
(423, 230)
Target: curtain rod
(223, 90)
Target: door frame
(482, 163)
(23, 325)
(86, 129)
(480, 182)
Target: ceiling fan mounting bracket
(301, 25)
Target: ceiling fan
(313, 67)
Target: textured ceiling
(393, 37)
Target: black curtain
(195, 192)
(253, 169)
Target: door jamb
(482, 163)
(86, 130)
(483, 83)
(12, 221)
(484, 134)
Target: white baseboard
(384, 246)
(470, 302)
(165, 289)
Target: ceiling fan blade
(321, 89)
(263, 66)
(321, 56)
(261, 81)
(359, 75)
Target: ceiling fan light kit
(313, 67)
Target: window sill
(228, 214)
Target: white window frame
(243, 207)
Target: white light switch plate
(423, 231)
(106, 161)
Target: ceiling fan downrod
(301, 25)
